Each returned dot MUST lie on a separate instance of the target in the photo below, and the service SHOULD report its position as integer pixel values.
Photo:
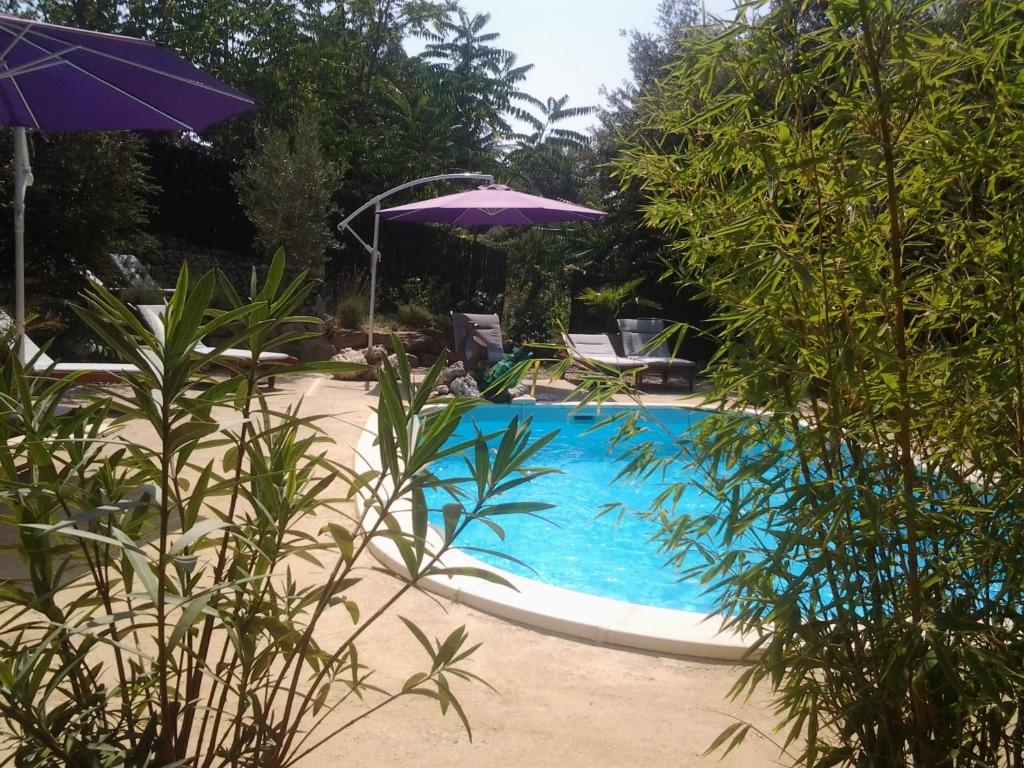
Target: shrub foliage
(163, 617)
(843, 182)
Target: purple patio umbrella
(55, 78)
(492, 205)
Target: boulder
(424, 344)
(393, 359)
(374, 354)
(310, 350)
(452, 372)
(420, 343)
(350, 355)
(373, 357)
(464, 386)
(343, 338)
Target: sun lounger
(44, 365)
(135, 273)
(86, 373)
(595, 349)
(153, 316)
(477, 339)
(638, 342)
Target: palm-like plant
(612, 299)
(159, 618)
(545, 130)
(484, 80)
(548, 158)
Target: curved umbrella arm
(374, 202)
(344, 223)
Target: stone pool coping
(545, 606)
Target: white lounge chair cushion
(597, 348)
(153, 316)
(244, 354)
(125, 369)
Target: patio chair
(153, 316)
(637, 342)
(477, 339)
(44, 365)
(596, 350)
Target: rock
(452, 372)
(420, 343)
(317, 348)
(442, 389)
(350, 355)
(464, 386)
(348, 337)
(373, 357)
(427, 341)
(374, 354)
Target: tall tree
(483, 81)
(285, 187)
(549, 159)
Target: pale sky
(574, 45)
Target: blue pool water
(610, 556)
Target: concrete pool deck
(559, 702)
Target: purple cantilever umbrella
(494, 205)
(55, 78)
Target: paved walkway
(559, 702)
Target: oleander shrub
(183, 538)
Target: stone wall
(165, 263)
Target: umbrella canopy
(494, 205)
(55, 78)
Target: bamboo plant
(843, 181)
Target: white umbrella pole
(374, 258)
(375, 203)
(22, 180)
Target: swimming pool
(613, 555)
(544, 605)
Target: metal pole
(373, 249)
(22, 180)
(374, 258)
(344, 224)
